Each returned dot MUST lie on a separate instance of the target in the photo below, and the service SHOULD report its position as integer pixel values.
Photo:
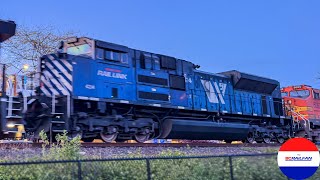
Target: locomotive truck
(95, 89)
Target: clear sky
(271, 38)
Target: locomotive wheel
(108, 138)
(141, 138)
(75, 135)
(300, 134)
(280, 139)
(89, 139)
(250, 138)
(266, 139)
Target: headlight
(10, 125)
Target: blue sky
(275, 39)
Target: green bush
(64, 148)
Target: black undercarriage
(119, 122)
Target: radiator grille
(153, 96)
(152, 80)
(177, 82)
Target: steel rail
(22, 145)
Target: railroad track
(21, 145)
(176, 145)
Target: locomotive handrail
(306, 121)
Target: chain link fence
(234, 167)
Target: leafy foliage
(64, 148)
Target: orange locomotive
(303, 104)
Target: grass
(249, 168)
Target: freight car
(97, 89)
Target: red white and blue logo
(298, 158)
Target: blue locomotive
(97, 89)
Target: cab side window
(116, 56)
(99, 53)
(108, 55)
(316, 95)
(124, 58)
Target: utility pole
(3, 90)
(2, 75)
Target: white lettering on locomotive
(89, 86)
(112, 74)
(187, 79)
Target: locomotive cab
(300, 99)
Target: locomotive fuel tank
(203, 130)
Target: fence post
(231, 168)
(148, 168)
(50, 133)
(79, 170)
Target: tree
(29, 44)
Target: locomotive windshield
(300, 93)
(284, 94)
(79, 46)
(83, 49)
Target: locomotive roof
(213, 74)
(252, 75)
(300, 86)
(227, 74)
(251, 82)
(122, 48)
